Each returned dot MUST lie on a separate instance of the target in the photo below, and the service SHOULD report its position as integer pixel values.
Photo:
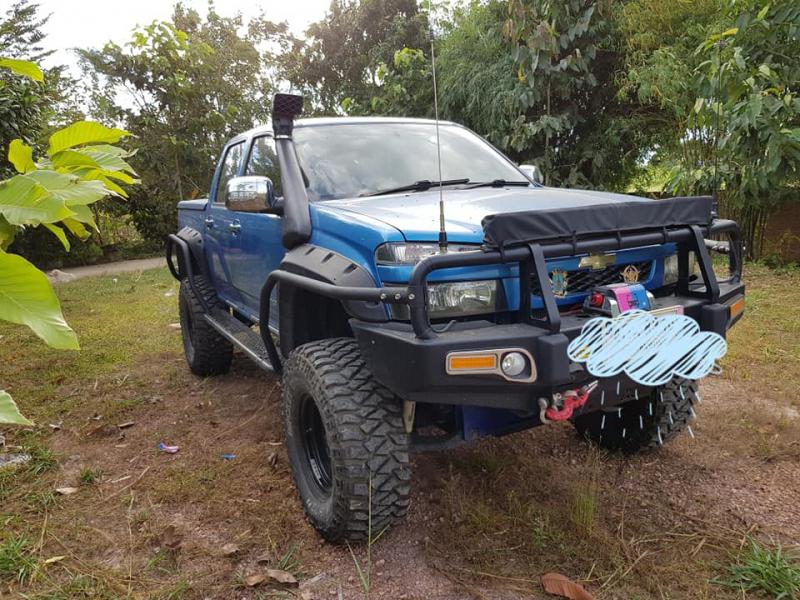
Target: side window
(264, 161)
(230, 168)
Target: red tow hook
(572, 399)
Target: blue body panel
(243, 248)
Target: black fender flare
(319, 264)
(336, 269)
(187, 247)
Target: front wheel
(346, 443)
(644, 423)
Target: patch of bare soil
(485, 521)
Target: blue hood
(416, 215)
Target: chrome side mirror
(532, 172)
(252, 193)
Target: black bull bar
(531, 259)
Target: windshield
(357, 159)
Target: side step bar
(240, 335)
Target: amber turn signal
(737, 308)
(472, 362)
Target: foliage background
(640, 96)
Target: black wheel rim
(315, 444)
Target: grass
(17, 562)
(764, 346)
(77, 588)
(585, 505)
(765, 569)
(502, 512)
(178, 591)
(89, 476)
(117, 324)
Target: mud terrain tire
(643, 424)
(206, 351)
(346, 443)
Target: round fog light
(513, 364)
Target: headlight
(457, 299)
(401, 253)
(671, 268)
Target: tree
(568, 55)
(183, 88)
(25, 104)
(81, 166)
(724, 95)
(344, 51)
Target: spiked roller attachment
(285, 109)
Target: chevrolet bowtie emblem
(596, 261)
(630, 274)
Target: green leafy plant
(81, 166)
(763, 569)
(17, 562)
(90, 476)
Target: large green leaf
(9, 413)
(76, 227)
(109, 157)
(27, 298)
(7, 233)
(21, 156)
(23, 67)
(84, 132)
(104, 177)
(70, 189)
(59, 233)
(71, 159)
(83, 214)
(24, 202)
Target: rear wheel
(644, 423)
(206, 351)
(345, 440)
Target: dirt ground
(485, 521)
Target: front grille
(582, 281)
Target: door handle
(209, 222)
(235, 227)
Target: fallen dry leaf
(557, 584)
(229, 549)
(281, 576)
(273, 575)
(66, 491)
(254, 580)
(171, 538)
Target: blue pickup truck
(416, 290)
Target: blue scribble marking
(651, 350)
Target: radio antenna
(717, 109)
(442, 230)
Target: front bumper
(414, 368)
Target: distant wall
(782, 236)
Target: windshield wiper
(497, 183)
(418, 186)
